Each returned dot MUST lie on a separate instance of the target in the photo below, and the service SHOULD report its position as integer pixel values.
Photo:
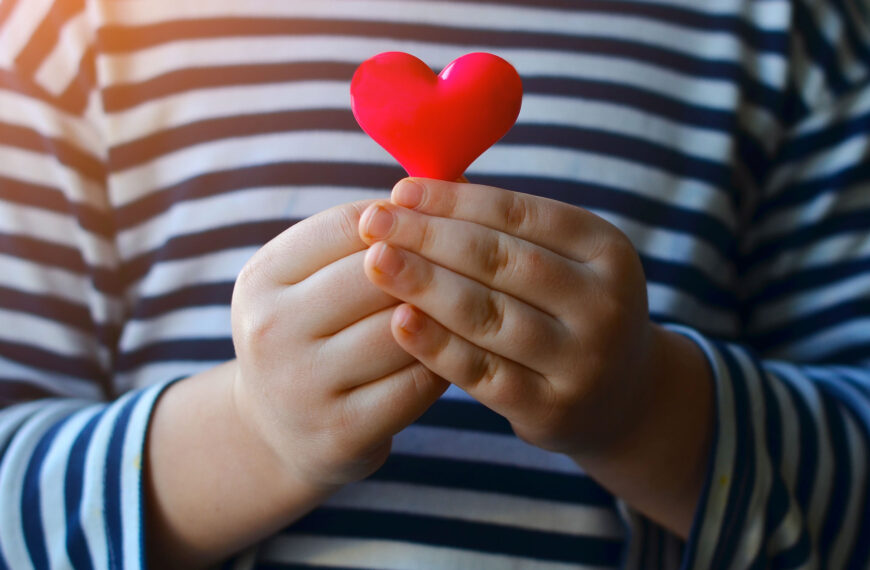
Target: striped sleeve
(788, 483)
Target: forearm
(213, 486)
(660, 466)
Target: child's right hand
(319, 376)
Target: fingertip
(409, 320)
(408, 193)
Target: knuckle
(496, 258)
(483, 370)
(518, 213)
(490, 316)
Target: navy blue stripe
(657, 214)
(802, 192)
(634, 150)
(743, 475)
(796, 555)
(112, 484)
(652, 102)
(494, 478)
(829, 136)
(732, 24)
(17, 390)
(43, 252)
(31, 499)
(817, 48)
(470, 416)
(43, 359)
(74, 157)
(841, 481)
(195, 349)
(48, 307)
(289, 174)
(810, 278)
(209, 294)
(689, 280)
(807, 325)
(853, 222)
(855, 352)
(209, 241)
(76, 542)
(859, 45)
(455, 533)
(808, 447)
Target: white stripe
(55, 228)
(779, 313)
(815, 255)
(726, 450)
(823, 342)
(788, 532)
(154, 373)
(846, 539)
(61, 65)
(132, 484)
(822, 163)
(15, 462)
(34, 114)
(815, 511)
(480, 507)
(156, 116)
(152, 62)
(20, 25)
(685, 308)
(61, 339)
(54, 383)
(853, 104)
(424, 441)
(169, 276)
(45, 170)
(832, 28)
(29, 277)
(393, 555)
(752, 535)
(192, 322)
(250, 205)
(93, 507)
(357, 148)
(52, 486)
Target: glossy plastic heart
(436, 125)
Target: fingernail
(387, 259)
(379, 222)
(408, 193)
(410, 320)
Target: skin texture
(538, 310)
(349, 325)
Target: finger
(488, 318)
(369, 345)
(567, 230)
(334, 297)
(310, 244)
(388, 405)
(501, 261)
(504, 386)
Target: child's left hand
(536, 308)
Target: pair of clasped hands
(351, 323)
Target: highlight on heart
(435, 126)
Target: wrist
(658, 462)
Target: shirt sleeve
(70, 444)
(789, 474)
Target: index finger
(568, 230)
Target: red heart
(436, 126)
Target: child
(638, 339)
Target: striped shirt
(147, 149)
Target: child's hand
(320, 377)
(536, 308)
